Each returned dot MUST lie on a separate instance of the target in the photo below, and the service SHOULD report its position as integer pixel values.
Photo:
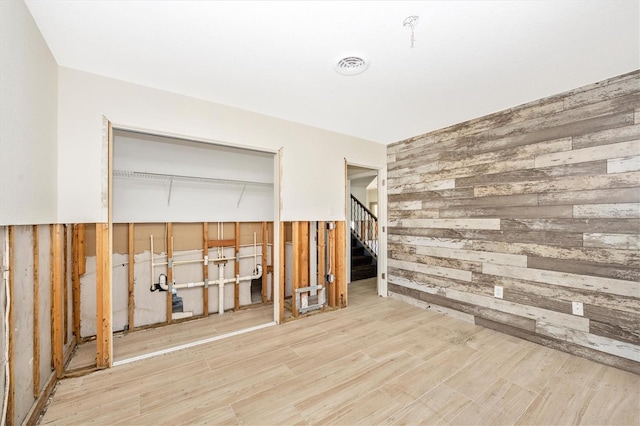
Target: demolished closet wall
(148, 308)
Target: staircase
(363, 265)
(364, 241)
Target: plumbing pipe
(185, 262)
(221, 282)
(236, 280)
(220, 288)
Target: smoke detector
(351, 63)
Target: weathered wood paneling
(542, 200)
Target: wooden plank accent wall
(542, 200)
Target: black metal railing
(364, 226)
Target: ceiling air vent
(351, 63)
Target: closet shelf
(127, 174)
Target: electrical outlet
(497, 292)
(577, 308)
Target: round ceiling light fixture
(351, 63)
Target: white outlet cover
(577, 308)
(498, 292)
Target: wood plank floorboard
(140, 342)
(380, 361)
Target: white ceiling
(471, 58)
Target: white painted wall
(151, 200)
(28, 120)
(312, 162)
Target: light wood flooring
(380, 361)
(129, 345)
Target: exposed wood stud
(341, 267)
(11, 401)
(131, 305)
(205, 268)
(321, 254)
(304, 254)
(332, 267)
(236, 267)
(57, 298)
(76, 251)
(36, 312)
(221, 243)
(65, 281)
(282, 275)
(82, 258)
(169, 271)
(295, 234)
(265, 248)
(51, 283)
(104, 329)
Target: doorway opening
(364, 231)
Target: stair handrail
(364, 226)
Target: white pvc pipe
(220, 288)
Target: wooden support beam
(36, 312)
(131, 305)
(236, 268)
(205, 268)
(11, 397)
(341, 265)
(321, 255)
(75, 279)
(169, 271)
(104, 328)
(221, 243)
(265, 280)
(57, 298)
(82, 258)
(303, 252)
(295, 235)
(332, 267)
(65, 281)
(282, 275)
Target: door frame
(381, 281)
(104, 319)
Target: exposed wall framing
(282, 274)
(104, 336)
(11, 399)
(57, 297)
(265, 262)
(131, 302)
(77, 250)
(205, 269)
(36, 312)
(169, 271)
